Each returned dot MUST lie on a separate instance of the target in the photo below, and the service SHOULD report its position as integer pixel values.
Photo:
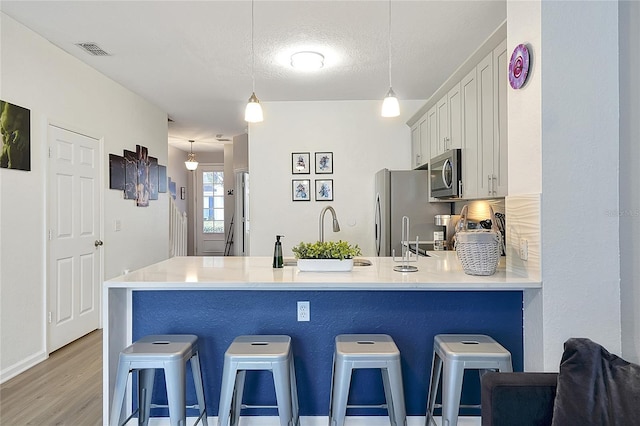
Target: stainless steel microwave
(445, 172)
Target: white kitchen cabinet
(442, 131)
(416, 153)
(425, 149)
(485, 126)
(500, 76)
(469, 112)
(432, 131)
(469, 128)
(419, 144)
(492, 120)
(453, 139)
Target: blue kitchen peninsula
(219, 298)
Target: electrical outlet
(524, 249)
(304, 312)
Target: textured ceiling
(192, 58)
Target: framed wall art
(116, 172)
(300, 189)
(324, 162)
(300, 163)
(15, 146)
(324, 189)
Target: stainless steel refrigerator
(404, 193)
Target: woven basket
(478, 250)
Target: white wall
(362, 143)
(571, 118)
(60, 90)
(629, 212)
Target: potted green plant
(326, 256)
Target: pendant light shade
(191, 163)
(390, 105)
(253, 111)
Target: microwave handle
(460, 189)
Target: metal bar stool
(355, 351)
(455, 353)
(260, 352)
(170, 353)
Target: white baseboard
(22, 366)
(315, 421)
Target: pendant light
(390, 105)
(253, 111)
(191, 162)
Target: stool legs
(281, 380)
(197, 381)
(118, 393)
(227, 392)
(436, 368)
(339, 392)
(451, 391)
(175, 377)
(146, 377)
(394, 393)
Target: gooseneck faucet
(336, 226)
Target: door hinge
(50, 234)
(49, 317)
(49, 152)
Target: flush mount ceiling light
(253, 111)
(307, 61)
(191, 163)
(390, 105)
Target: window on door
(209, 226)
(212, 202)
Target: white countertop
(441, 271)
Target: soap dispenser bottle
(277, 253)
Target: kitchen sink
(356, 262)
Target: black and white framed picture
(324, 189)
(300, 163)
(300, 190)
(324, 162)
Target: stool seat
(259, 352)
(169, 352)
(354, 351)
(454, 353)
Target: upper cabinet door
(443, 124)
(485, 126)
(469, 96)
(501, 83)
(455, 118)
(432, 131)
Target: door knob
(98, 243)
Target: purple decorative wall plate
(519, 66)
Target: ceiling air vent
(92, 49)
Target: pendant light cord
(253, 57)
(389, 40)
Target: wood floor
(66, 389)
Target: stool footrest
(192, 407)
(369, 406)
(243, 406)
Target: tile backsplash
(523, 226)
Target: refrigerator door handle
(377, 221)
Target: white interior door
(210, 224)
(74, 236)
